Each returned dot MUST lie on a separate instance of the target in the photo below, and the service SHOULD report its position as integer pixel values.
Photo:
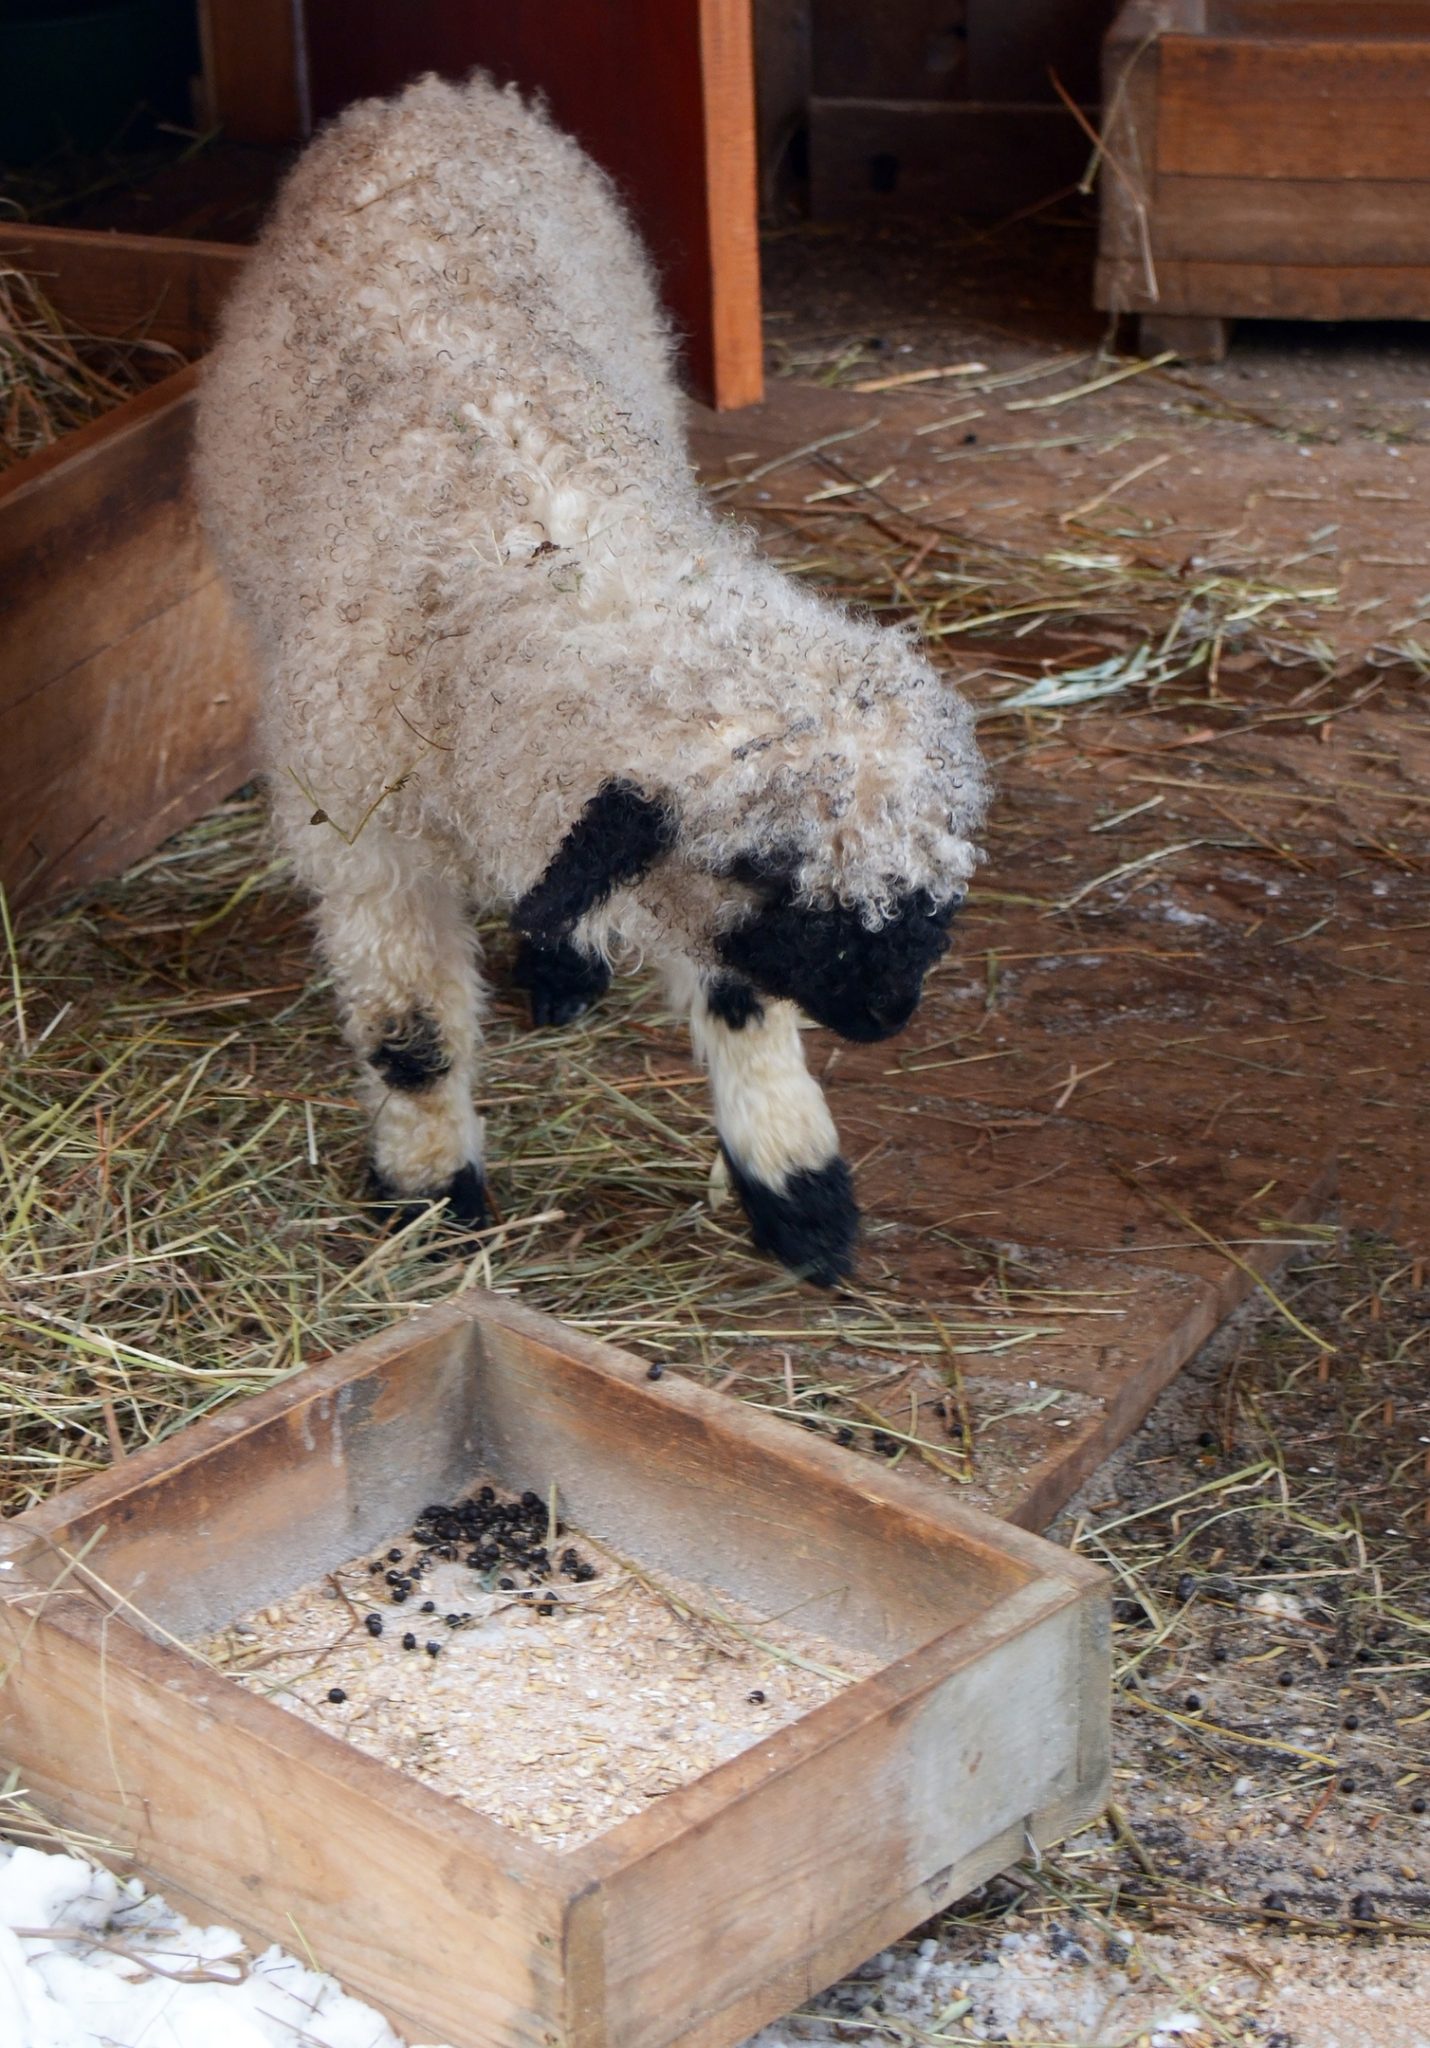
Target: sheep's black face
(864, 985)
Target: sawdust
(557, 1709)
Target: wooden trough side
(984, 1725)
(125, 687)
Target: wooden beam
(120, 285)
(1271, 291)
(1321, 222)
(1293, 108)
(255, 69)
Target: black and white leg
(776, 1132)
(560, 980)
(405, 971)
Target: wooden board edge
(1216, 1300)
(854, 1943)
(155, 1462)
(51, 468)
(1267, 291)
(99, 858)
(875, 1484)
(162, 287)
(1130, 63)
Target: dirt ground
(1278, 934)
(1251, 983)
(1264, 1873)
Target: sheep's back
(447, 326)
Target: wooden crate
(1265, 159)
(125, 688)
(726, 1903)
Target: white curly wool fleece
(442, 461)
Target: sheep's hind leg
(559, 979)
(776, 1132)
(410, 996)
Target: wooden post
(256, 69)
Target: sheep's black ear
(621, 833)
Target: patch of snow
(90, 1960)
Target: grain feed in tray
(529, 1672)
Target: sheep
(514, 661)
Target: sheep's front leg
(560, 979)
(410, 997)
(778, 1137)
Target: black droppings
(655, 1372)
(336, 1695)
(373, 1624)
(409, 1641)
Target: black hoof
(812, 1226)
(560, 980)
(465, 1196)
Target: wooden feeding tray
(125, 687)
(1264, 159)
(982, 1728)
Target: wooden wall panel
(255, 69)
(168, 289)
(1233, 109)
(1272, 291)
(660, 91)
(126, 694)
(1295, 221)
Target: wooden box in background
(1266, 159)
(126, 691)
